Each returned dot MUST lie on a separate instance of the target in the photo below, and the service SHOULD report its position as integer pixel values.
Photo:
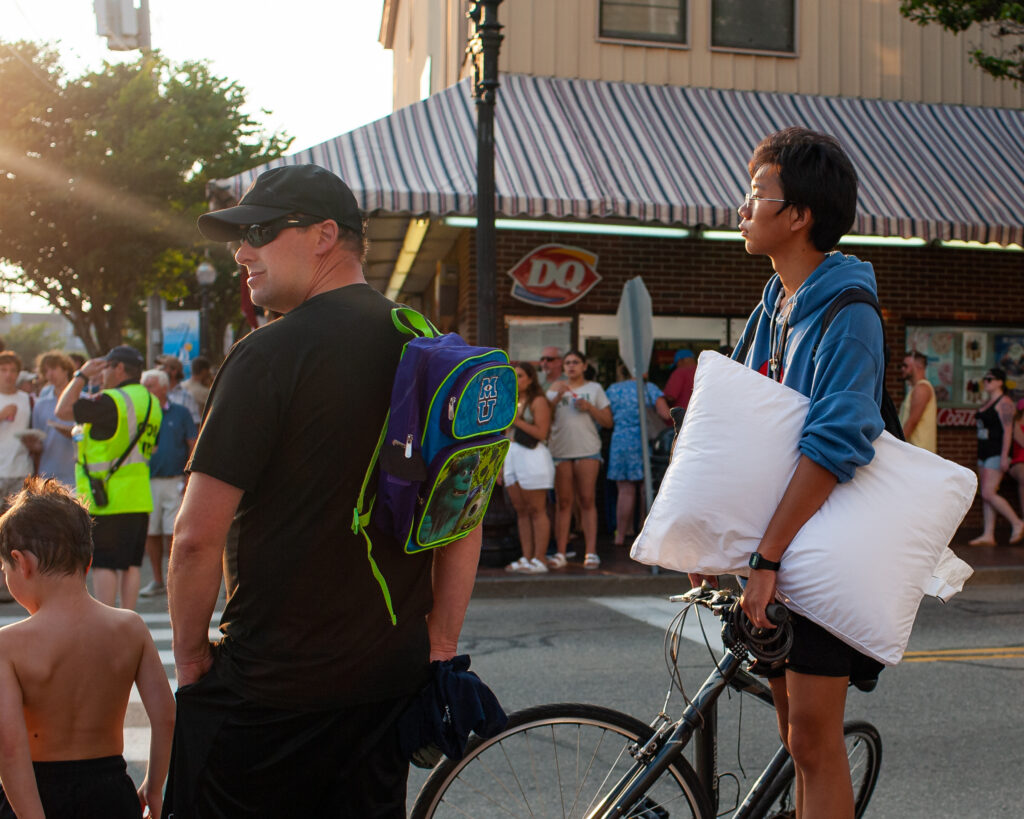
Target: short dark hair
(533, 389)
(356, 243)
(920, 358)
(816, 174)
(200, 364)
(11, 357)
(46, 519)
(54, 358)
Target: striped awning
(583, 149)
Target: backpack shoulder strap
(855, 295)
(415, 325)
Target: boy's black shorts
(83, 789)
(817, 651)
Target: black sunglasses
(260, 235)
(548, 358)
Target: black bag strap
(860, 295)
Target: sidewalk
(620, 575)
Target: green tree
(29, 340)
(102, 177)
(1004, 21)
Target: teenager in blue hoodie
(803, 198)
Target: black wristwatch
(80, 374)
(759, 561)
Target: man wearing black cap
(297, 716)
(118, 432)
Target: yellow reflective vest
(128, 488)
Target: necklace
(778, 335)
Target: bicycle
(579, 760)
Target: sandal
(591, 561)
(557, 561)
(520, 565)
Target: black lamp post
(206, 275)
(483, 48)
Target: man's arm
(918, 401)
(808, 489)
(65, 409)
(454, 575)
(193, 576)
(157, 699)
(19, 779)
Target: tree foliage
(1004, 21)
(29, 340)
(102, 177)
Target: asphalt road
(951, 715)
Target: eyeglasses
(548, 358)
(748, 198)
(260, 235)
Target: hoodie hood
(837, 273)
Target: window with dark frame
(754, 25)
(652, 20)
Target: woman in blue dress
(625, 459)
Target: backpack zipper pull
(451, 408)
(408, 446)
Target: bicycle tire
(554, 760)
(863, 750)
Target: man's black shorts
(817, 651)
(232, 757)
(119, 541)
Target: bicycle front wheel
(555, 760)
(864, 752)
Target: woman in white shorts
(578, 407)
(529, 471)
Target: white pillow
(860, 565)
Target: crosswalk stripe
(658, 612)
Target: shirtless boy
(66, 673)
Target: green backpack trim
(411, 323)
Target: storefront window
(659, 20)
(959, 356)
(767, 25)
(527, 336)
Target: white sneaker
(152, 589)
(521, 565)
(536, 567)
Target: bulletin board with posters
(959, 356)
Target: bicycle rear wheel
(863, 750)
(555, 760)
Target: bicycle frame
(700, 723)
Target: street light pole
(206, 275)
(483, 48)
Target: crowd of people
(555, 457)
(38, 439)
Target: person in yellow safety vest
(118, 431)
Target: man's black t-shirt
(293, 419)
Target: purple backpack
(442, 447)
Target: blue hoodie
(844, 380)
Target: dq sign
(554, 275)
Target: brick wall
(693, 277)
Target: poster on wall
(181, 336)
(1009, 353)
(973, 390)
(974, 349)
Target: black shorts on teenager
(83, 789)
(119, 541)
(232, 757)
(817, 651)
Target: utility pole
(483, 48)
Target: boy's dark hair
(920, 358)
(200, 365)
(815, 173)
(11, 357)
(46, 519)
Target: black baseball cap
(307, 189)
(124, 354)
